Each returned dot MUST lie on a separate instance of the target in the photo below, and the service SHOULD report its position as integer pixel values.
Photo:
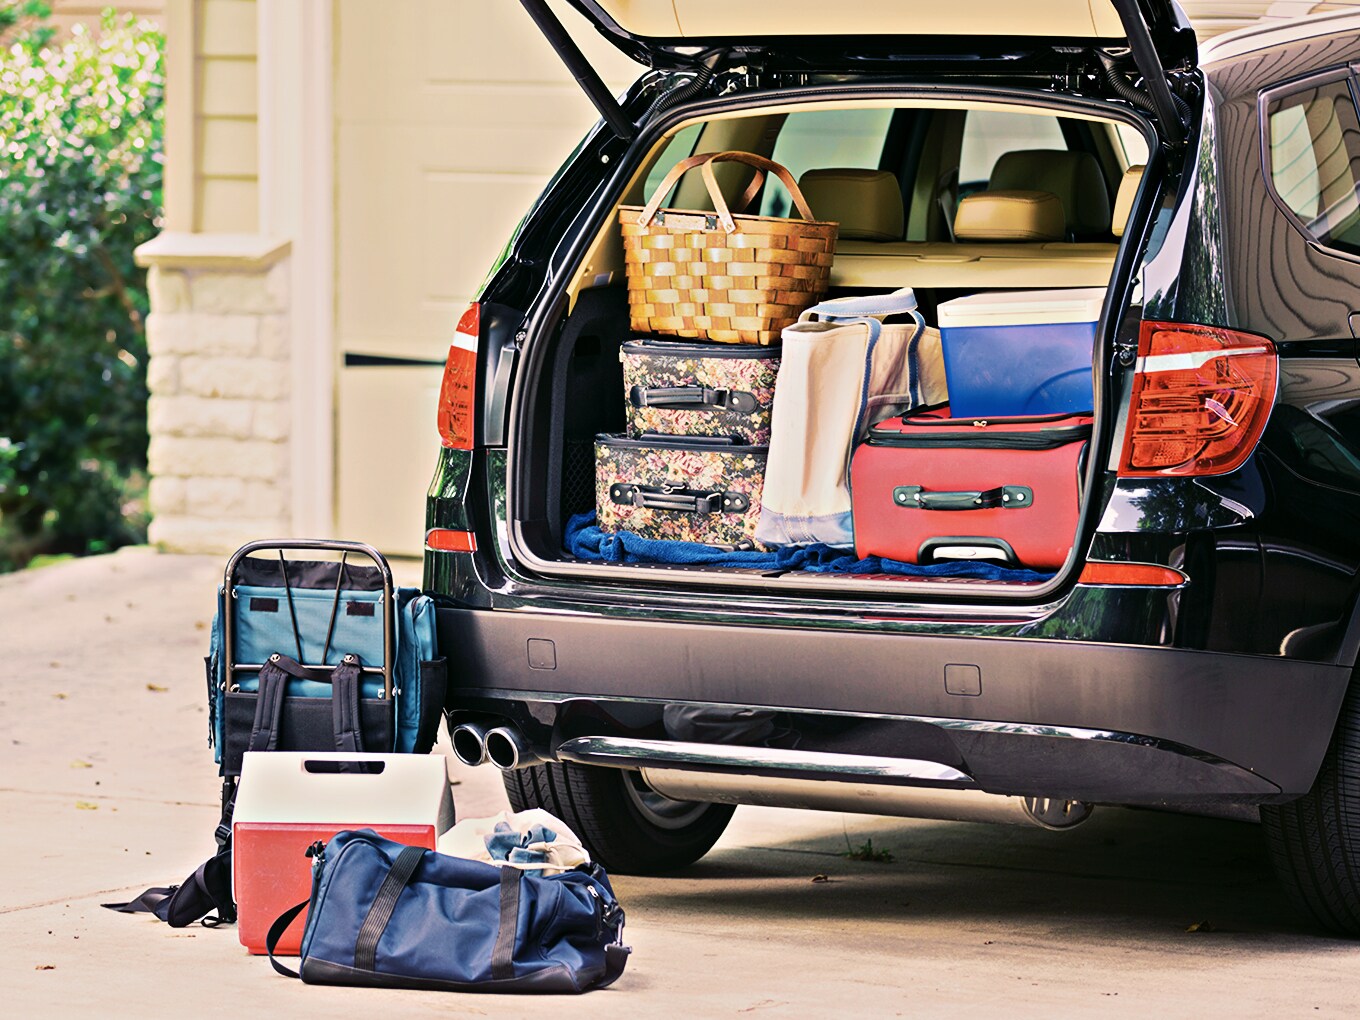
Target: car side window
(822, 139)
(1312, 139)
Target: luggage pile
(337, 842)
(847, 423)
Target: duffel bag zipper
(1044, 439)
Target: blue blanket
(586, 541)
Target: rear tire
(1315, 840)
(626, 827)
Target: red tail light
(458, 392)
(1201, 399)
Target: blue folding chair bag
(304, 620)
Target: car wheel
(1315, 840)
(626, 826)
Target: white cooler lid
(1024, 308)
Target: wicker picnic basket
(732, 278)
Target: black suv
(1196, 651)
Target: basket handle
(706, 159)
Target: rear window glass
(990, 134)
(1314, 141)
(823, 139)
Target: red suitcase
(927, 487)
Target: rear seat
(1005, 241)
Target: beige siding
(226, 163)
(68, 13)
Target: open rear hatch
(864, 34)
(817, 44)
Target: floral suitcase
(683, 488)
(693, 389)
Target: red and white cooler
(287, 801)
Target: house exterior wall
(219, 372)
(331, 162)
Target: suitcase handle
(1007, 497)
(681, 500)
(692, 398)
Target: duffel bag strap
(380, 913)
(276, 930)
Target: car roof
(1270, 24)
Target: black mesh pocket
(578, 477)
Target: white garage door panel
(399, 55)
(421, 244)
(450, 116)
(389, 440)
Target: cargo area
(1005, 222)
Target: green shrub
(80, 188)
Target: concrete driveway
(107, 787)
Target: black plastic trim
(1272, 717)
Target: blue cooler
(1020, 353)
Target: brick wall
(219, 413)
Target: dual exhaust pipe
(502, 746)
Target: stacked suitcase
(692, 463)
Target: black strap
(503, 953)
(380, 913)
(264, 732)
(276, 930)
(206, 890)
(349, 737)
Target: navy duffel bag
(392, 916)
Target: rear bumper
(1081, 720)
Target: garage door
(451, 115)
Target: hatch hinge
(1171, 112)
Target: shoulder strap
(276, 930)
(349, 736)
(264, 732)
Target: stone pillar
(220, 375)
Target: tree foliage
(80, 188)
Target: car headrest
(1010, 216)
(1073, 176)
(866, 203)
(1123, 201)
